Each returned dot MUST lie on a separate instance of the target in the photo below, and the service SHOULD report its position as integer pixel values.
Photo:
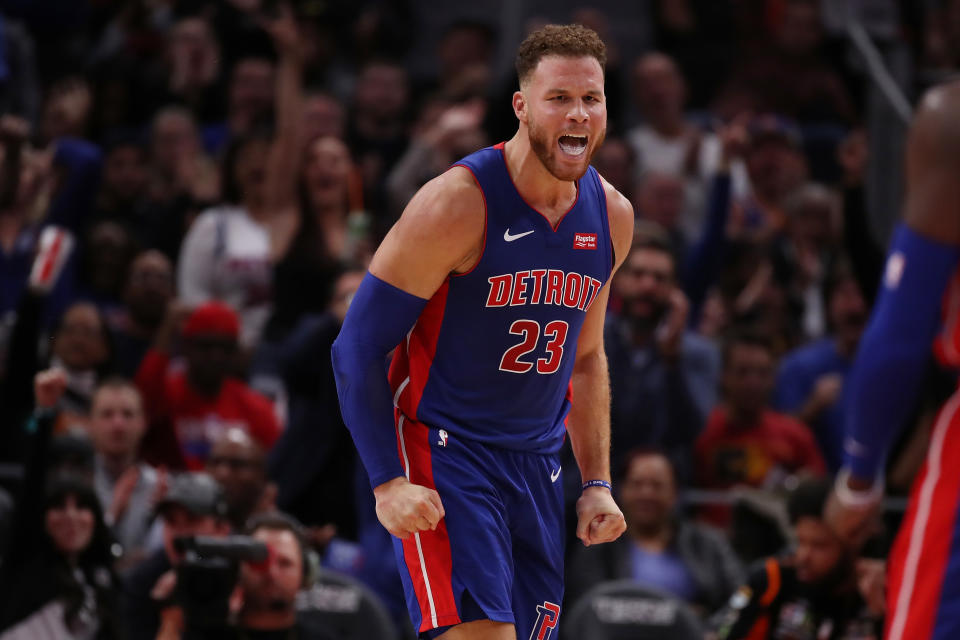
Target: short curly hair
(567, 40)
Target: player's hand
(598, 517)
(404, 508)
(853, 524)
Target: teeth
(573, 145)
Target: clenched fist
(598, 517)
(404, 508)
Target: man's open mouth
(572, 144)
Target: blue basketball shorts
(498, 552)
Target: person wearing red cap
(202, 400)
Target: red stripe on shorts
(427, 553)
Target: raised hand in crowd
(48, 387)
(670, 333)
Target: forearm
(588, 423)
(284, 159)
(895, 348)
(359, 366)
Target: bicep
(440, 232)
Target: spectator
(662, 377)
(229, 252)
(791, 75)
(377, 133)
(108, 251)
(268, 594)
(658, 197)
(662, 548)
(57, 578)
(444, 133)
(745, 443)
(192, 506)
(250, 94)
(146, 295)
(202, 400)
(81, 348)
(66, 111)
(19, 84)
(59, 582)
(668, 143)
(183, 180)
(314, 456)
(817, 590)
(192, 69)
(333, 230)
(617, 163)
(123, 190)
(464, 54)
(323, 116)
(239, 466)
(775, 166)
(806, 253)
(810, 381)
(126, 487)
(180, 168)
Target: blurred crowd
(190, 193)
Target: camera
(207, 577)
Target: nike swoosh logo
(556, 474)
(511, 238)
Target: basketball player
(494, 284)
(923, 582)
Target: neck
(535, 183)
(115, 465)
(268, 620)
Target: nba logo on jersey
(548, 615)
(443, 438)
(584, 241)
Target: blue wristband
(596, 483)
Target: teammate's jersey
(491, 355)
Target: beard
(547, 149)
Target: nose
(578, 113)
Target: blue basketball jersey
(491, 356)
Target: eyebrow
(593, 92)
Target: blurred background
(190, 192)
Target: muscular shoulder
(440, 232)
(933, 160)
(620, 213)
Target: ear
(520, 106)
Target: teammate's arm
(598, 517)
(886, 376)
(440, 232)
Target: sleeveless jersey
(491, 355)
